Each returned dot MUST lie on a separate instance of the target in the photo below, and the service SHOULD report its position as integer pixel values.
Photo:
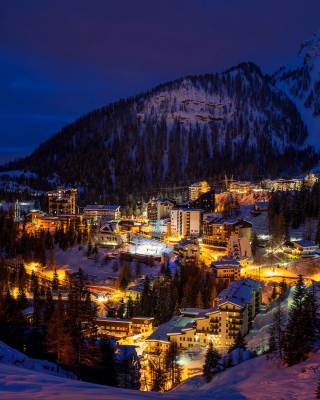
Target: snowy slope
(300, 80)
(17, 383)
(259, 379)
(256, 379)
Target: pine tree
(109, 372)
(276, 334)
(211, 363)
(173, 368)
(55, 280)
(48, 308)
(239, 343)
(56, 337)
(199, 300)
(297, 344)
(254, 244)
(52, 261)
(318, 390)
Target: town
(161, 288)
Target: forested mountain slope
(196, 127)
(300, 80)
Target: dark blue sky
(62, 59)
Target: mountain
(300, 80)
(195, 127)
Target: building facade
(116, 328)
(216, 231)
(198, 188)
(159, 209)
(102, 212)
(186, 222)
(227, 269)
(62, 201)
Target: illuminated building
(62, 201)
(235, 309)
(216, 231)
(242, 187)
(205, 201)
(103, 212)
(198, 188)
(186, 222)
(108, 238)
(226, 269)
(304, 248)
(116, 328)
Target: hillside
(235, 122)
(300, 80)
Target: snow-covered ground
(258, 379)
(10, 356)
(18, 383)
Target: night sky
(62, 59)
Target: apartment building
(116, 328)
(198, 188)
(103, 212)
(239, 247)
(235, 309)
(205, 201)
(226, 269)
(186, 222)
(62, 201)
(159, 209)
(216, 231)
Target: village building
(304, 248)
(116, 328)
(261, 206)
(242, 187)
(32, 216)
(190, 254)
(235, 309)
(106, 237)
(48, 222)
(186, 223)
(102, 212)
(196, 189)
(216, 231)
(239, 247)
(226, 269)
(62, 201)
(159, 209)
(205, 202)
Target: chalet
(304, 248)
(116, 328)
(106, 237)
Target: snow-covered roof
(161, 334)
(262, 203)
(96, 207)
(240, 291)
(304, 243)
(226, 264)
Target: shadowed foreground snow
(256, 379)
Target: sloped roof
(176, 323)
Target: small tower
(17, 211)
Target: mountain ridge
(238, 122)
